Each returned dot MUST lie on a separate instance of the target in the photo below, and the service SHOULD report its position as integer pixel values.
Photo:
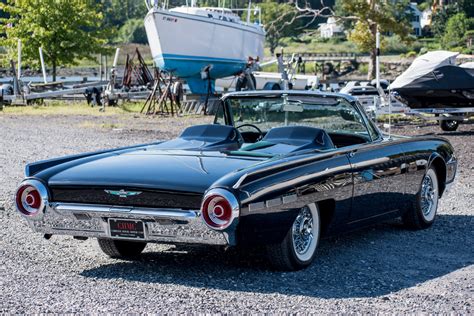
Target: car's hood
(156, 169)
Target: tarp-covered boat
(434, 80)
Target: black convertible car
(278, 169)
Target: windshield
(333, 114)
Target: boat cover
(424, 65)
(468, 65)
(435, 81)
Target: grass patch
(397, 118)
(71, 108)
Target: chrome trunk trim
(119, 211)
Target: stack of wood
(165, 97)
(136, 71)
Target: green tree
(365, 17)
(456, 28)
(133, 31)
(441, 16)
(66, 30)
(118, 12)
(280, 20)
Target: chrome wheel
(429, 195)
(305, 232)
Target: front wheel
(123, 249)
(422, 214)
(298, 248)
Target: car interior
(276, 126)
(276, 141)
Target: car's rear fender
(270, 204)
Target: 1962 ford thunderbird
(279, 169)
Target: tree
(118, 12)
(441, 16)
(133, 31)
(280, 20)
(67, 30)
(369, 16)
(456, 27)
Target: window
(220, 115)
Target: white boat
(297, 81)
(187, 39)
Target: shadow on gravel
(459, 133)
(371, 262)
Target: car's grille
(114, 196)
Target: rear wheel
(449, 125)
(121, 248)
(298, 249)
(422, 214)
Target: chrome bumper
(161, 225)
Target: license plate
(126, 228)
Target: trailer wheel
(449, 125)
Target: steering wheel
(254, 127)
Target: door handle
(351, 154)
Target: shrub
(456, 27)
(411, 54)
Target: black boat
(435, 81)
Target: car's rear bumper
(161, 225)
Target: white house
(416, 19)
(330, 28)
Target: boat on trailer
(436, 88)
(190, 41)
(434, 80)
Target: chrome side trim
(239, 182)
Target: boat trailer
(448, 118)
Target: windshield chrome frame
(229, 120)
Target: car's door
(377, 167)
(379, 180)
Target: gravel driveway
(380, 269)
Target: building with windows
(415, 19)
(330, 29)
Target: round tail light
(219, 208)
(30, 197)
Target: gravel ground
(382, 269)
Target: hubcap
(303, 231)
(428, 195)
(451, 124)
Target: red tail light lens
(219, 209)
(28, 200)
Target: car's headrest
(210, 132)
(299, 136)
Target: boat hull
(185, 44)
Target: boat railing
(221, 10)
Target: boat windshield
(333, 114)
